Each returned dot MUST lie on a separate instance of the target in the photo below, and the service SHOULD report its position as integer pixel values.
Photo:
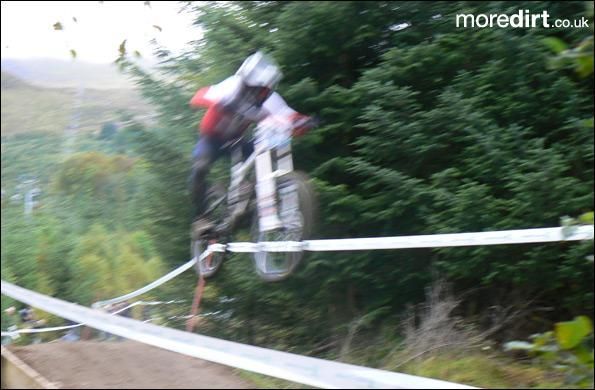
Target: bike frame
(267, 150)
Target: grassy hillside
(54, 73)
(27, 108)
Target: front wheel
(297, 208)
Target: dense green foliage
(426, 129)
(86, 237)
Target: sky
(100, 27)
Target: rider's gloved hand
(304, 124)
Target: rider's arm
(220, 95)
(199, 100)
(276, 107)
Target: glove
(304, 124)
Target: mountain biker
(233, 105)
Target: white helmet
(259, 70)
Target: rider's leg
(247, 147)
(247, 150)
(205, 152)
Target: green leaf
(137, 54)
(586, 218)
(555, 44)
(585, 323)
(73, 53)
(584, 65)
(584, 355)
(58, 26)
(122, 48)
(543, 339)
(570, 333)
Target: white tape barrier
(573, 233)
(16, 332)
(301, 369)
(523, 236)
(150, 286)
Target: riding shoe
(200, 227)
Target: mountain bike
(265, 194)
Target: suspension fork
(266, 200)
(266, 185)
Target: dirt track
(127, 364)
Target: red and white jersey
(230, 111)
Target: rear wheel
(203, 236)
(297, 207)
(206, 265)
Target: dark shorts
(212, 148)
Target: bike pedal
(201, 228)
